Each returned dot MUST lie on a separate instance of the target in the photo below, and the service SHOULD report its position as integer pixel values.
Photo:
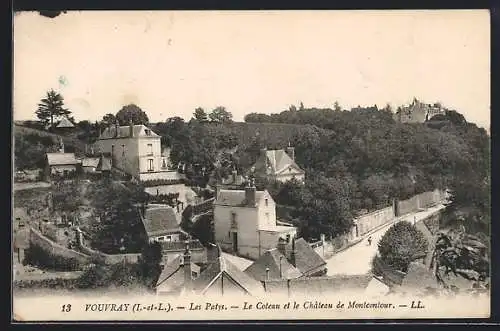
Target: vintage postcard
(251, 165)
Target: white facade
(248, 230)
(136, 149)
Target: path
(357, 259)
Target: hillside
(30, 145)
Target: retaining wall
(51, 247)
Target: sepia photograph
(251, 165)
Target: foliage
(220, 115)
(200, 115)
(66, 197)
(150, 263)
(51, 107)
(131, 113)
(202, 229)
(119, 228)
(38, 256)
(402, 244)
(462, 254)
(120, 275)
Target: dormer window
(148, 132)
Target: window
(267, 202)
(163, 164)
(123, 150)
(168, 238)
(112, 150)
(287, 238)
(150, 165)
(148, 132)
(150, 149)
(233, 216)
(160, 238)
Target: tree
(402, 244)
(200, 115)
(220, 115)
(336, 106)
(151, 257)
(132, 113)
(119, 228)
(51, 107)
(108, 120)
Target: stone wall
(373, 220)
(53, 248)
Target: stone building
(137, 150)
(278, 165)
(245, 222)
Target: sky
(169, 63)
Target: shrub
(402, 244)
(41, 258)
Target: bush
(41, 258)
(402, 244)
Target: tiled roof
(172, 277)
(306, 259)
(319, 285)
(65, 123)
(90, 162)
(160, 220)
(235, 198)
(222, 267)
(274, 161)
(271, 259)
(61, 159)
(124, 132)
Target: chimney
(131, 129)
(250, 191)
(217, 191)
(267, 273)
(212, 253)
(282, 246)
(281, 269)
(293, 254)
(188, 278)
(290, 151)
(235, 174)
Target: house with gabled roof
(217, 278)
(292, 260)
(245, 221)
(278, 165)
(137, 150)
(162, 224)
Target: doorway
(235, 242)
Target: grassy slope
(69, 140)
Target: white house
(278, 165)
(245, 222)
(136, 150)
